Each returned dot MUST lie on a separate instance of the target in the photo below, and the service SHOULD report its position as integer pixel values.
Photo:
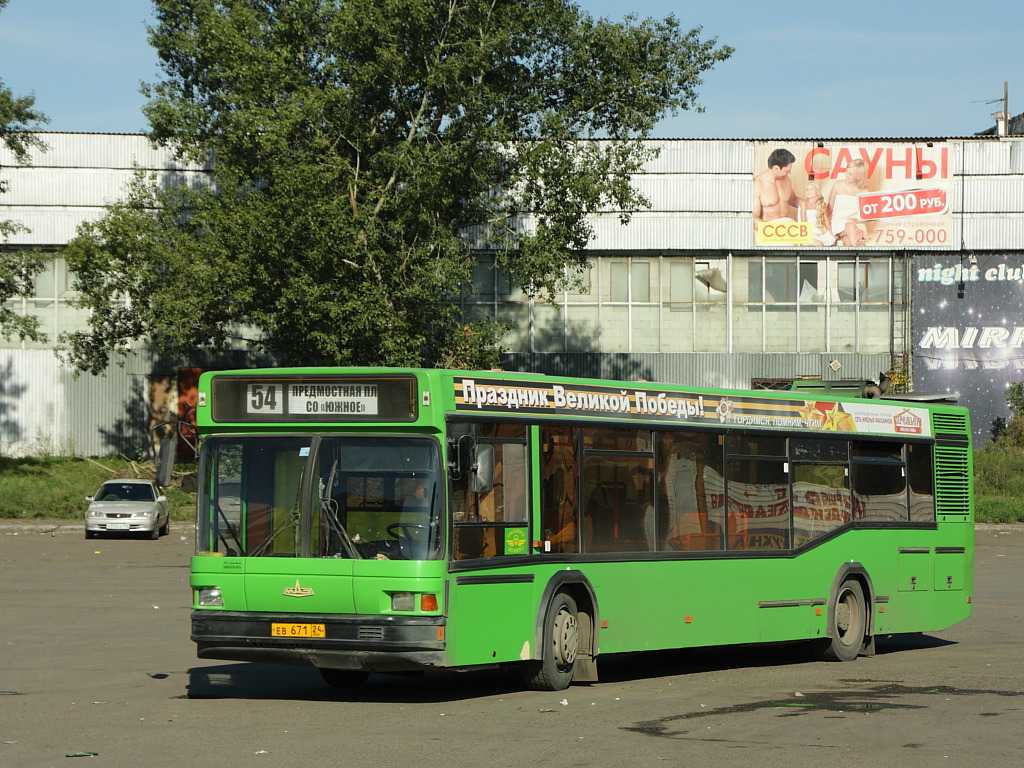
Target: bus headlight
(406, 601)
(403, 601)
(210, 597)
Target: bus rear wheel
(849, 624)
(553, 671)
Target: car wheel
(155, 533)
(166, 527)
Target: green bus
(363, 520)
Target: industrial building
(729, 279)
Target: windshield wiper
(290, 520)
(328, 512)
(231, 531)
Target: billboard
(969, 331)
(852, 195)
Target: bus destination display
(306, 398)
(313, 398)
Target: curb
(11, 527)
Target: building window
(49, 304)
(759, 303)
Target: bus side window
(759, 514)
(821, 500)
(689, 509)
(878, 479)
(920, 474)
(560, 466)
(620, 514)
(481, 519)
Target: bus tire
(849, 621)
(553, 671)
(343, 678)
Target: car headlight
(94, 513)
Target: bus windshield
(320, 496)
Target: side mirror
(482, 478)
(165, 463)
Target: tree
(360, 149)
(17, 267)
(1011, 431)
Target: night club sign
(969, 331)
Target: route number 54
(263, 397)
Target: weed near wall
(56, 487)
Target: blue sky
(862, 69)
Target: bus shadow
(885, 645)
(618, 668)
(649, 665)
(249, 680)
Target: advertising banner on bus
(640, 402)
(824, 195)
(969, 332)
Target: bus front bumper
(364, 643)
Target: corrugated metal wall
(75, 177)
(99, 150)
(45, 410)
(700, 195)
(699, 191)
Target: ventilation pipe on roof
(1003, 116)
(1001, 120)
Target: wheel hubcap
(846, 618)
(566, 638)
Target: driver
(417, 500)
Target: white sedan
(127, 506)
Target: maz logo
(297, 591)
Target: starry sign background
(971, 346)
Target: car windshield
(125, 492)
(320, 496)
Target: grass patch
(999, 483)
(56, 487)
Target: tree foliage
(361, 149)
(17, 267)
(1011, 431)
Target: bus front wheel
(848, 624)
(553, 671)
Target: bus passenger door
(491, 601)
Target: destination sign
(299, 398)
(306, 399)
